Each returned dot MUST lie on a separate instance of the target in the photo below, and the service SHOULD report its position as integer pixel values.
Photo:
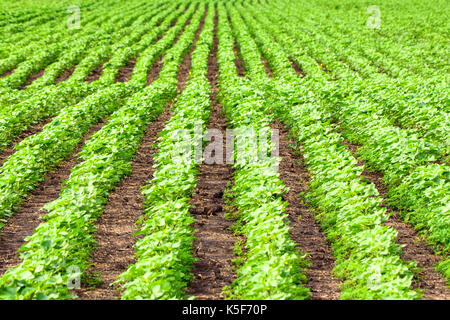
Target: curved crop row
(38, 154)
(109, 33)
(16, 118)
(402, 157)
(89, 52)
(51, 35)
(272, 268)
(418, 107)
(42, 57)
(165, 250)
(367, 257)
(66, 238)
(86, 48)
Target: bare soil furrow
(65, 75)
(305, 231)
(214, 242)
(414, 248)
(267, 67)
(297, 68)
(7, 73)
(116, 226)
(125, 72)
(28, 217)
(96, 73)
(31, 78)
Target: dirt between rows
(65, 75)
(305, 231)
(31, 78)
(267, 67)
(7, 73)
(116, 226)
(125, 72)
(297, 68)
(238, 61)
(414, 248)
(28, 217)
(7, 152)
(154, 71)
(214, 241)
(96, 73)
(33, 129)
(185, 67)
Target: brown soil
(7, 73)
(95, 74)
(32, 78)
(125, 72)
(214, 242)
(27, 218)
(66, 75)
(116, 225)
(7, 152)
(153, 74)
(238, 61)
(297, 68)
(305, 231)
(428, 279)
(157, 66)
(267, 67)
(240, 67)
(185, 67)
(154, 71)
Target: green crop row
(367, 257)
(66, 238)
(164, 252)
(366, 45)
(401, 156)
(420, 108)
(40, 58)
(18, 50)
(18, 117)
(87, 53)
(271, 267)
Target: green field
(255, 149)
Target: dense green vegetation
(355, 96)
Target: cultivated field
(255, 149)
